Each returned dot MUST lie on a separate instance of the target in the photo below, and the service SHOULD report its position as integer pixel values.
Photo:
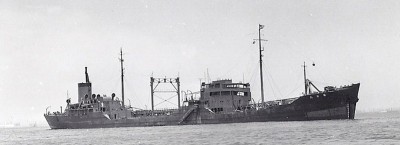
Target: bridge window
(236, 86)
(215, 93)
(231, 86)
(225, 93)
(216, 110)
(239, 93)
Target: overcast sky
(45, 45)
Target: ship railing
(334, 88)
(57, 113)
(158, 112)
(274, 103)
(80, 109)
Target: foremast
(305, 79)
(307, 82)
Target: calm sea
(372, 128)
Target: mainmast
(261, 73)
(122, 79)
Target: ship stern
(54, 122)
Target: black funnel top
(87, 75)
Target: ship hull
(328, 105)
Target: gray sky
(45, 45)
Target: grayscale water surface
(376, 128)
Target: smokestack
(84, 89)
(87, 75)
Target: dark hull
(328, 105)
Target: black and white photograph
(191, 72)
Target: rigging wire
(273, 81)
(271, 86)
(116, 86)
(165, 100)
(290, 93)
(297, 84)
(132, 90)
(245, 54)
(253, 73)
(252, 69)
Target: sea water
(372, 128)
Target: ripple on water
(370, 130)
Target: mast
(122, 79)
(261, 73)
(305, 79)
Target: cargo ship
(220, 101)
